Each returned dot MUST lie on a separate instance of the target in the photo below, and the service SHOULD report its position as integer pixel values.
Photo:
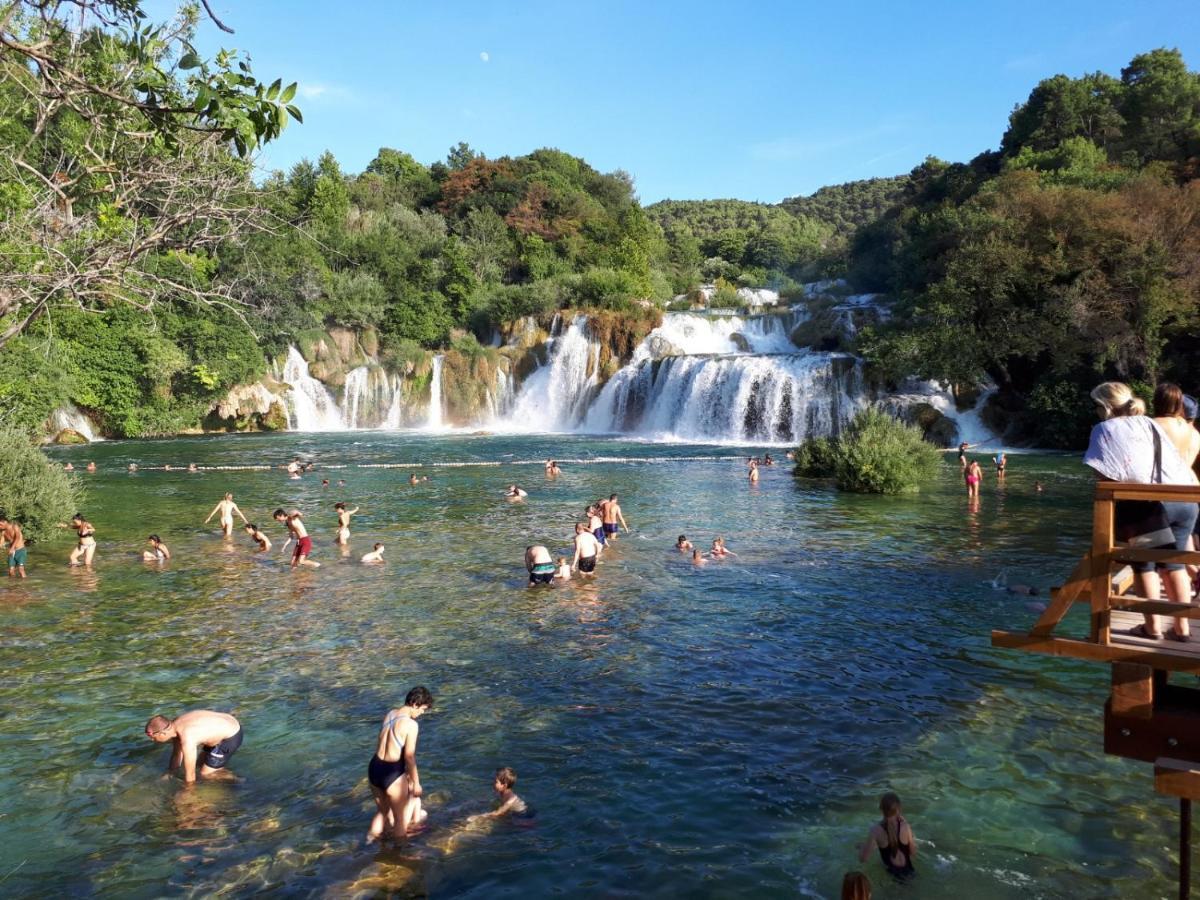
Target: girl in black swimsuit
(893, 838)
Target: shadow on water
(722, 730)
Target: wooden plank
(1132, 690)
(1129, 554)
(1100, 567)
(1157, 655)
(1062, 599)
(1177, 778)
(1155, 607)
(1116, 490)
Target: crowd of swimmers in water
(203, 741)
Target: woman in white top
(1122, 447)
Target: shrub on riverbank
(875, 454)
(34, 491)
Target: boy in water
(510, 803)
(299, 533)
(264, 542)
(10, 534)
(683, 544)
(376, 555)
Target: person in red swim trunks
(298, 533)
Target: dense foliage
(875, 454)
(1070, 256)
(34, 491)
(849, 206)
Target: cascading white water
(369, 397)
(70, 417)
(556, 396)
(310, 405)
(692, 333)
(780, 398)
(434, 419)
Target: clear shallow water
(714, 732)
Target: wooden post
(1101, 586)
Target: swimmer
(91, 467)
(515, 493)
(86, 548)
(1001, 463)
(683, 544)
(510, 803)
(587, 548)
(698, 558)
(158, 551)
(412, 478)
(200, 736)
(893, 838)
(564, 570)
(166, 467)
(552, 468)
(12, 537)
(1024, 590)
(193, 468)
(973, 476)
(392, 772)
(754, 471)
(227, 508)
(719, 549)
(343, 517)
(324, 482)
(297, 532)
(68, 468)
(293, 468)
(132, 468)
(375, 556)
(264, 542)
(539, 564)
(424, 477)
(610, 512)
(767, 461)
(791, 455)
(1038, 487)
(341, 483)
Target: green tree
(34, 491)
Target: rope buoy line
(478, 463)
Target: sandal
(1173, 635)
(1141, 632)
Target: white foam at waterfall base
(692, 333)
(310, 405)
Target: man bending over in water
(256, 535)
(587, 548)
(297, 532)
(11, 534)
(540, 565)
(227, 508)
(392, 772)
(201, 735)
(610, 512)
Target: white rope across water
(466, 464)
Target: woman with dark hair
(893, 838)
(1128, 446)
(1170, 414)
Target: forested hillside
(848, 206)
(1069, 256)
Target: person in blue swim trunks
(540, 564)
(610, 513)
(204, 740)
(12, 537)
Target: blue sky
(758, 101)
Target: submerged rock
(69, 436)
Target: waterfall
(434, 420)
(310, 405)
(370, 395)
(781, 398)
(70, 417)
(556, 396)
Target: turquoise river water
(722, 731)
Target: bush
(34, 491)
(876, 454)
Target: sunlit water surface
(721, 731)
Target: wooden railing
(1102, 580)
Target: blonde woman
(1128, 446)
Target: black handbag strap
(1156, 473)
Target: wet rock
(659, 347)
(69, 436)
(739, 340)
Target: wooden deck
(1122, 622)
